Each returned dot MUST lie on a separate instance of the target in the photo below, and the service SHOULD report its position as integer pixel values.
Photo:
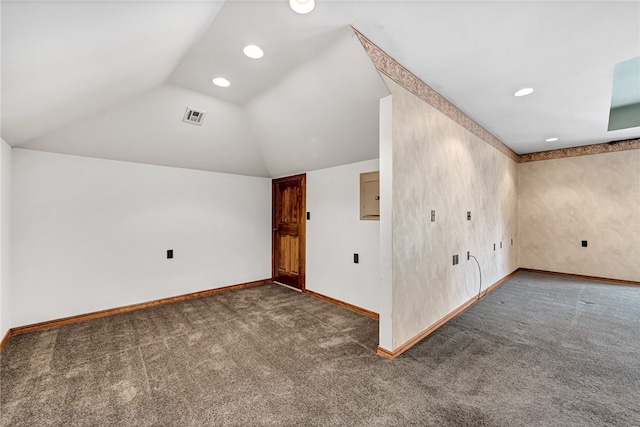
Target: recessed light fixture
(253, 51)
(221, 81)
(551, 139)
(524, 92)
(302, 6)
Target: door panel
(289, 255)
(289, 222)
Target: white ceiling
(112, 79)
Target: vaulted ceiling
(113, 79)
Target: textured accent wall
(594, 198)
(439, 165)
(445, 161)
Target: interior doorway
(289, 231)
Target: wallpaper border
(405, 78)
(585, 150)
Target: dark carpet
(539, 351)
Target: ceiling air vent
(194, 116)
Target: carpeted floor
(539, 351)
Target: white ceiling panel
(149, 129)
(63, 60)
(323, 114)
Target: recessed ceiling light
(253, 51)
(523, 92)
(551, 139)
(302, 6)
(222, 82)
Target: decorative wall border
(585, 150)
(405, 78)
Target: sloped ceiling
(65, 60)
(113, 79)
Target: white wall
(5, 237)
(5, 218)
(335, 232)
(92, 234)
(594, 198)
(386, 223)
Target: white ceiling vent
(194, 116)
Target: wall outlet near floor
(169, 253)
(356, 259)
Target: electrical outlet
(500, 245)
(511, 242)
(468, 215)
(584, 243)
(494, 246)
(308, 216)
(468, 255)
(456, 260)
(433, 216)
(356, 259)
(169, 253)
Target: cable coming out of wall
(480, 271)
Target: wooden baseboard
(346, 305)
(110, 312)
(580, 276)
(5, 339)
(385, 353)
(431, 329)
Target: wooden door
(289, 230)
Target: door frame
(302, 231)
